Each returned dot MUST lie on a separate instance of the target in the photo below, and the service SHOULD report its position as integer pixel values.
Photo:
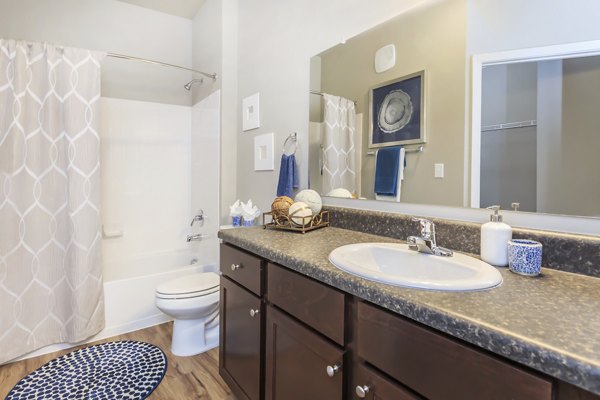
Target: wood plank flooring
(195, 377)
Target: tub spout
(196, 237)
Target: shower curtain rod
(321, 94)
(144, 60)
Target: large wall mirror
(515, 128)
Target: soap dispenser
(494, 239)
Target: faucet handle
(198, 217)
(427, 227)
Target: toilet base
(192, 336)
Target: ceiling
(181, 8)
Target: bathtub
(129, 292)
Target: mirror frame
(479, 61)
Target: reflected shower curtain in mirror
(339, 152)
(50, 242)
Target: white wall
(111, 26)
(205, 169)
(145, 168)
(207, 54)
(515, 24)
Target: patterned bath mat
(108, 371)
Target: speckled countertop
(550, 323)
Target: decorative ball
(340, 192)
(312, 200)
(300, 213)
(281, 205)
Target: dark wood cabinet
(281, 330)
(438, 367)
(300, 363)
(244, 268)
(317, 305)
(372, 385)
(240, 349)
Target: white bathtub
(129, 292)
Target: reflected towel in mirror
(389, 172)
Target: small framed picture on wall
(397, 112)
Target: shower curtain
(339, 152)
(50, 270)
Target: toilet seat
(190, 286)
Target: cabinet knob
(254, 312)
(332, 370)
(235, 266)
(362, 391)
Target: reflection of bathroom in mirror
(348, 70)
(540, 136)
(543, 161)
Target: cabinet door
(240, 340)
(369, 384)
(297, 361)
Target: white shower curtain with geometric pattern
(339, 150)
(50, 242)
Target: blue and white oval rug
(107, 371)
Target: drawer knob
(254, 312)
(235, 266)
(332, 370)
(362, 391)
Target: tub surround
(566, 252)
(549, 323)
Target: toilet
(193, 302)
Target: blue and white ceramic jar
(525, 257)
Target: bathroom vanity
(295, 327)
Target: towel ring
(294, 138)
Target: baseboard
(105, 333)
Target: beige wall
(276, 41)
(575, 184)
(430, 38)
(116, 27)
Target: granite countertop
(550, 323)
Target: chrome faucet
(426, 242)
(196, 237)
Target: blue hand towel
(386, 171)
(288, 176)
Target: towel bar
(412, 150)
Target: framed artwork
(397, 112)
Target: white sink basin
(395, 264)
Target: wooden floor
(195, 377)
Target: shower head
(188, 86)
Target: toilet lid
(195, 285)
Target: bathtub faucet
(196, 237)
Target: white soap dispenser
(494, 239)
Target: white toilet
(193, 302)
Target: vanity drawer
(312, 302)
(437, 366)
(378, 386)
(243, 268)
